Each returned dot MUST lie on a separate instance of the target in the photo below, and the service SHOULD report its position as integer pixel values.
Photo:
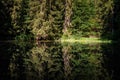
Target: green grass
(86, 40)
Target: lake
(59, 61)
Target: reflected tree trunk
(66, 59)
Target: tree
(47, 18)
(104, 11)
(20, 17)
(83, 18)
(67, 18)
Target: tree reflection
(85, 62)
(59, 61)
(66, 59)
(5, 56)
(18, 60)
(45, 62)
(111, 57)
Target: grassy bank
(86, 40)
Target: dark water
(56, 61)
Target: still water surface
(59, 61)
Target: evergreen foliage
(105, 15)
(86, 19)
(50, 19)
(20, 18)
(47, 18)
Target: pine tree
(56, 18)
(37, 14)
(20, 17)
(83, 18)
(47, 18)
(104, 12)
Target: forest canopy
(53, 19)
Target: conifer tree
(50, 19)
(83, 18)
(20, 17)
(104, 12)
(47, 18)
(56, 18)
(37, 14)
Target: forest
(36, 39)
(56, 19)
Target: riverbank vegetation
(85, 40)
(59, 19)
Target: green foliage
(56, 61)
(105, 15)
(57, 16)
(21, 19)
(85, 61)
(24, 37)
(84, 19)
(52, 19)
(46, 18)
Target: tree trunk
(68, 13)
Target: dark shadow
(12, 60)
(116, 20)
(4, 60)
(111, 24)
(107, 26)
(111, 30)
(111, 58)
(5, 20)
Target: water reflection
(111, 57)
(86, 62)
(59, 61)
